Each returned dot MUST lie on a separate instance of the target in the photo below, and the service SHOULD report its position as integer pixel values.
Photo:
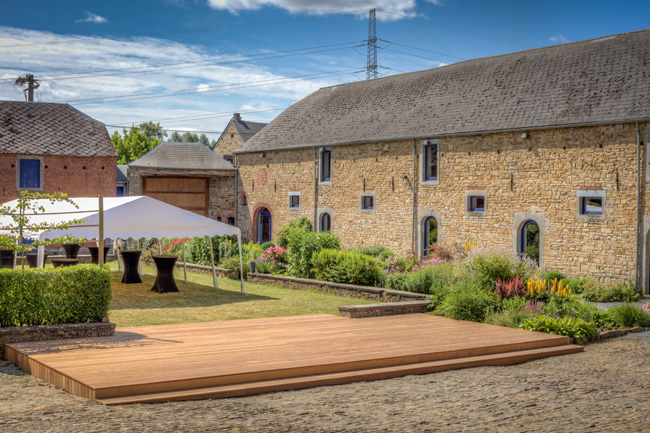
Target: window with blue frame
(119, 192)
(367, 202)
(326, 165)
(326, 223)
(30, 173)
(477, 203)
(231, 221)
(431, 162)
(294, 200)
(591, 205)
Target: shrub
(579, 329)
(223, 247)
(346, 267)
(381, 252)
(593, 291)
(572, 307)
(628, 316)
(267, 245)
(302, 245)
(76, 294)
(232, 262)
(575, 284)
(438, 252)
(509, 289)
(515, 303)
(487, 265)
(467, 301)
(507, 318)
(552, 275)
(251, 251)
(429, 279)
(301, 224)
(404, 262)
(265, 268)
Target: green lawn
(198, 301)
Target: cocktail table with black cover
(71, 250)
(64, 262)
(94, 255)
(6, 258)
(165, 278)
(32, 259)
(131, 261)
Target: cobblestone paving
(604, 389)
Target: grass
(198, 301)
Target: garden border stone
(387, 309)
(54, 332)
(345, 290)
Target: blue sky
(198, 61)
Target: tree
(135, 142)
(153, 130)
(26, 206)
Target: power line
(412, 55)
(230, 27)
(422, 49)
(224, 87)
(244, 59)
(195, 62)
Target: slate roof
(182, 156)
(602, 80)
(122, 174)
(246, 129)
(38, 128)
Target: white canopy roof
(124, 217)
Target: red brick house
(49, 147)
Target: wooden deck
(243, 357)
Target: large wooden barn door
(189, 193)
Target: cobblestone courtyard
(604, 389)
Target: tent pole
(160, 246)
(214, 271)
(184, 262)
(40, 257)
(100, 239)
(241, 266)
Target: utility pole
(371, 67)
(32, 84)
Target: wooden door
(189, 193)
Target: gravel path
(604, 389)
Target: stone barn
(549, 142)
(186, 175)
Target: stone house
(236, 133)
(186, 175)
(483, 150)
(49, 147)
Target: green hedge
(346, 267)
(76, 294)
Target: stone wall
(345, 290)
(77, 176)
(229, 141)
(531, 176)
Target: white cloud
(435, 2)
(559, 38)
(389, 10)
(92, 18)
(48, 55)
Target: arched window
(219, 219)
(430, 234)
(231, 221)
(263, 222)
(326, 223)
(529, 240)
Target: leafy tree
(26, 206)
(134, 144)
(176, 137)
(189, 137)
(153, 130)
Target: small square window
(591, 205)
(231, 221)
(367, 202)
(294, 200)
(477, 203)
(119, 192)
(30, 173)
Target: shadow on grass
(140, 296)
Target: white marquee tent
(124, 217)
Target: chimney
(236, 116)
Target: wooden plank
(170, 358)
